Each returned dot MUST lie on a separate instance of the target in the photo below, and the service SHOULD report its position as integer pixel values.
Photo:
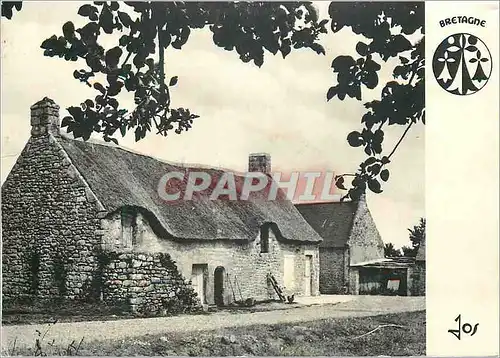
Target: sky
(280, 109)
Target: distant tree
(408, 251)
(391, 251)
(417, 234)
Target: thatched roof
(332, 221)
(421, 251)
(121, 178)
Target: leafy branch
(249, 28)
(402, 101)
(8, 8)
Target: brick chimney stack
(259, 162)
(45, 118)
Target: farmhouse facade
(84, 220)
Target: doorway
(199, 280)
(219, 274)
(308, 276)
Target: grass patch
(46, 311)
(329, 337)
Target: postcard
(250, 178)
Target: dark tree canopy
(391, 251)
(136, 64)
(8, 8)
(408, 251)
(417, 234)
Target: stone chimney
(259, 162)
(45, 118)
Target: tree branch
(346, 175)
(400, 140)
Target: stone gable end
(49, 225)
(365, 243)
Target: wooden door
(198, 281)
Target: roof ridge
(93, 141)
(323, 202)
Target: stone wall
(147, 283)
(354, 281)
(245, 267)
(333, 270)
(417, 279)
(49, 225)
(365, 243)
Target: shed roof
(332, 221)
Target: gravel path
(64, 333)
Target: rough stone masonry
(52, 235)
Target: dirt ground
(64, 333)
(400, 334)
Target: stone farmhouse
(82, 220)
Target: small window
(264, 239)
(128, 217)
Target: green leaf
(124, 40)
(106, 20)
(89, 103)
(384, 175)
(173, 81)
(343, 63)
(124, 18)
(370, 161)
(113, 103)
(370, 79)
(285, 47)
(68, 30)
(355, 139)
(112, 57)
(66, 121)
(340, 183)
(385, 160)
(375, 169)
(400, 44)
(371, 66)
(374, 186)
(318, 49)
(114, 5)
(99, 87)
(362, 48)
(332, 91)
(86, 10)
